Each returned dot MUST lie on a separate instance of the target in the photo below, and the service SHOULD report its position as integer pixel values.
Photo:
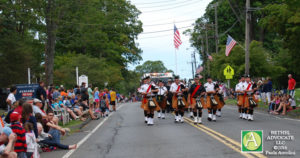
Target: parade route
(124, 134)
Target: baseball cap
(35, 100)
(7, 131)
(15, 116)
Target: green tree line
(274, 38)
(52, 37)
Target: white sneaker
(218, 113)
(195, 120)
(159, 115)
(146, 119)
(209, 117)
(177, 119)
(214, 118)
(241, 115)
(191, 114)
(244, 116)
(250, 118)
(163, 116)
(200, 120)
(149, 122)
(181, 119)
(152, 121)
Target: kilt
(193, 104)
(208, 104)
(174, 102)
(247, 104)
(162, 104)
(240, 99)
(220, 103)
(146, 107)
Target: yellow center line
(225, 137)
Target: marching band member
(169, 96)
(178, 102)
(161, 99)
(239, 88)
(219, 98)
(149, 103)
(249, 100)
(196, 99)
(211, 103)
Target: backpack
(102, 104)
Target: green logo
(252, 141)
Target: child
(30, 141)
(20, 145)
(103, 106)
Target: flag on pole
(199, 69)
(229, 45)
(177, 40)
(210, 57)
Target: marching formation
(179, 97)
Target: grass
(70, 124)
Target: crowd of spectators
(30, 125)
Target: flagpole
(176, 62)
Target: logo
(252, 141)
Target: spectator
(63, 107)
(284, 105)
(91, 102)
(7, 141)
(11, 99)
(113, 97)
(27, 117)
(37, 107)
(41, 92)
(55, 94)
(50, 94)
(63, 94)
(30, 141)
(291, 85)
(264, 91)
(48, 139)
(16, 104)
(96, 97)
(103, 106)
(292, 102)
(268, 89)
(20, 145)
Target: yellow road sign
(228, 77)
(228, 71)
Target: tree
(151, 66)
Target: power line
(157, 10)
(170, 22)
(168, 1)
(158, 6)
(165, 30)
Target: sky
(160, 15)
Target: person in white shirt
(239, 88)
(179, 102)
(161, 99)
(149, 103)
(11, 99)
(250, 100)
(36, 107)
(211, 103)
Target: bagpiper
(196, 99)
(211, 102)
(219, 98)
(239, 88)
(161, 99)
(178, 102)
(149, 103)
(250, 102)
(169, 96)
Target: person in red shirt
(291, 85)
(20, 145)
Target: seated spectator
(32, 147)
(20, 145)
(61, 104)
(7, 141)
(27, 116)
(73, 107)
(292, 102)
(284, 105)
(37, 107)
(52, 138)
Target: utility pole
(216, 27)
(206, 38)
(195, 62)
(247, 37)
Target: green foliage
(152, 66)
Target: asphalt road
(125, 135)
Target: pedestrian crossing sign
(228, 72)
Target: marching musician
(249, 100)
(178, 102)
(169, 96)
(211, 95)
(196, 99)
(219, 98)
(149, 103)
(161, 99)
(239, 88)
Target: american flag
(199, 69)
(177, 40)
(229, 45)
